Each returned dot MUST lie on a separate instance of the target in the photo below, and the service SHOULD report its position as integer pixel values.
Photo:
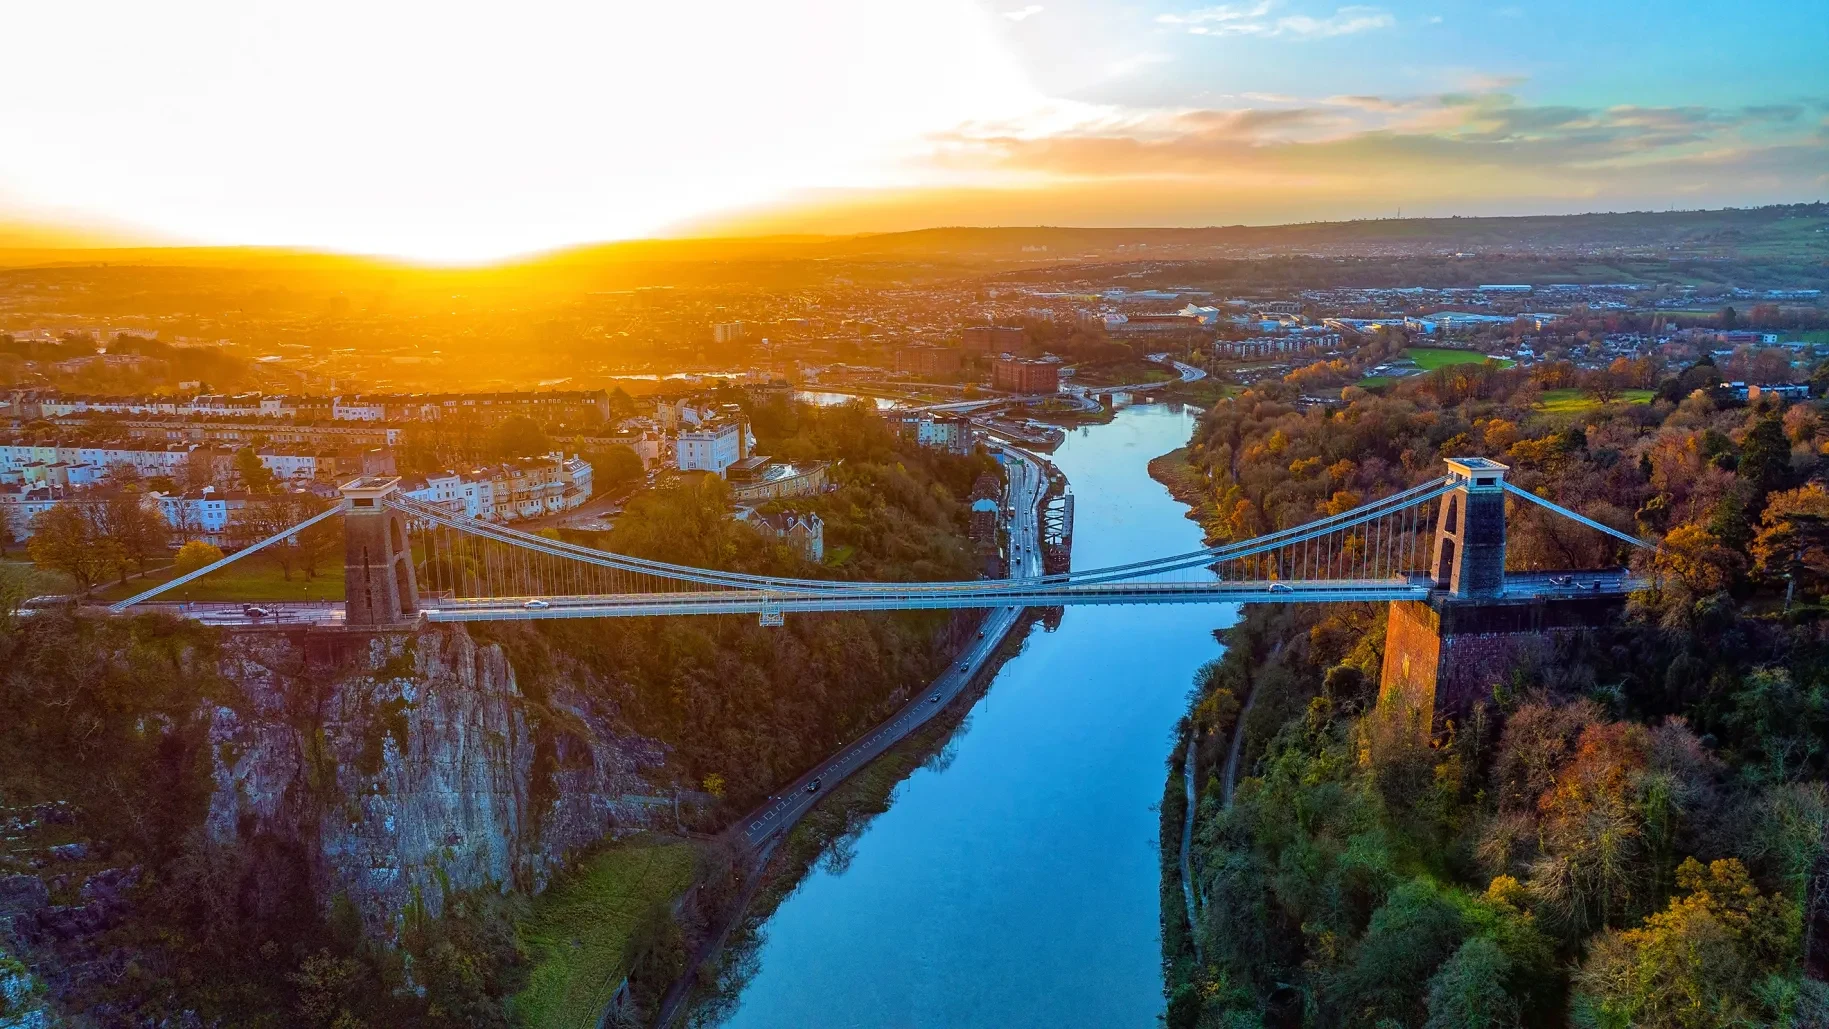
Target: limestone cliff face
(414, 766)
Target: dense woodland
(1622, 833)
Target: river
(1016, 884)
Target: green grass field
(1431, 358)
(255, 579)
(1119, 373)
(578, 934)
(1571, 401)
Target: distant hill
(1791, 234)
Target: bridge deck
(992, 593)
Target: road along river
(1016, 883)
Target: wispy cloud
(1460, 141)
(1024, 13)
(1255, 20)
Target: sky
(463, 131)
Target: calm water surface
(1018, 885)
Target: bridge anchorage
(1434, 552)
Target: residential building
(1785, 391)
(472, 497)
(804, 532)
(21, 504)
(754, 480)
(1146, 323)
(1271, 346)
(728, 332)
(986, 526)
(995, 339)
(1019, 376)
(712, 447)
(949, 432)
(931, 362)
(203, 514)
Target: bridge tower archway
(379, 584)
(1470, 531)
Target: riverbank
(1188, 485)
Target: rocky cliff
(414, 765)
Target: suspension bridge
(407, 560)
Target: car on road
(1562, 580)
(935, 699)
(536, 605)
(981, 634)
(1279, 587)
(254, 612)
(965, 668)
(813, 787)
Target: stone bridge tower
(379, 587)
(1469, 554)
(1445, 654)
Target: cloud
(1222, 14)
(1254, 20)
(1431, 147)
(1025, 13)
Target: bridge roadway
(987, 593)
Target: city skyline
(457, 133)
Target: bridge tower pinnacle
(379, 587)
(1469, 555)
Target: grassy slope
(579, 932)
(1571, 401)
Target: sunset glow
(463, 131)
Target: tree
(1697, 559)
(1699, 963)
(519, 436)
(1793, 538)
(616, 466)
(1603, 387)
(136, 531)
(64, 538)
(1765, 457)
(194, 555)
(274, 513)
(1468, 991)
(256, 476)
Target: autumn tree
(195, 554)
(1793, 539)
(65, 538)
(1698, 964)
(136, 532)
